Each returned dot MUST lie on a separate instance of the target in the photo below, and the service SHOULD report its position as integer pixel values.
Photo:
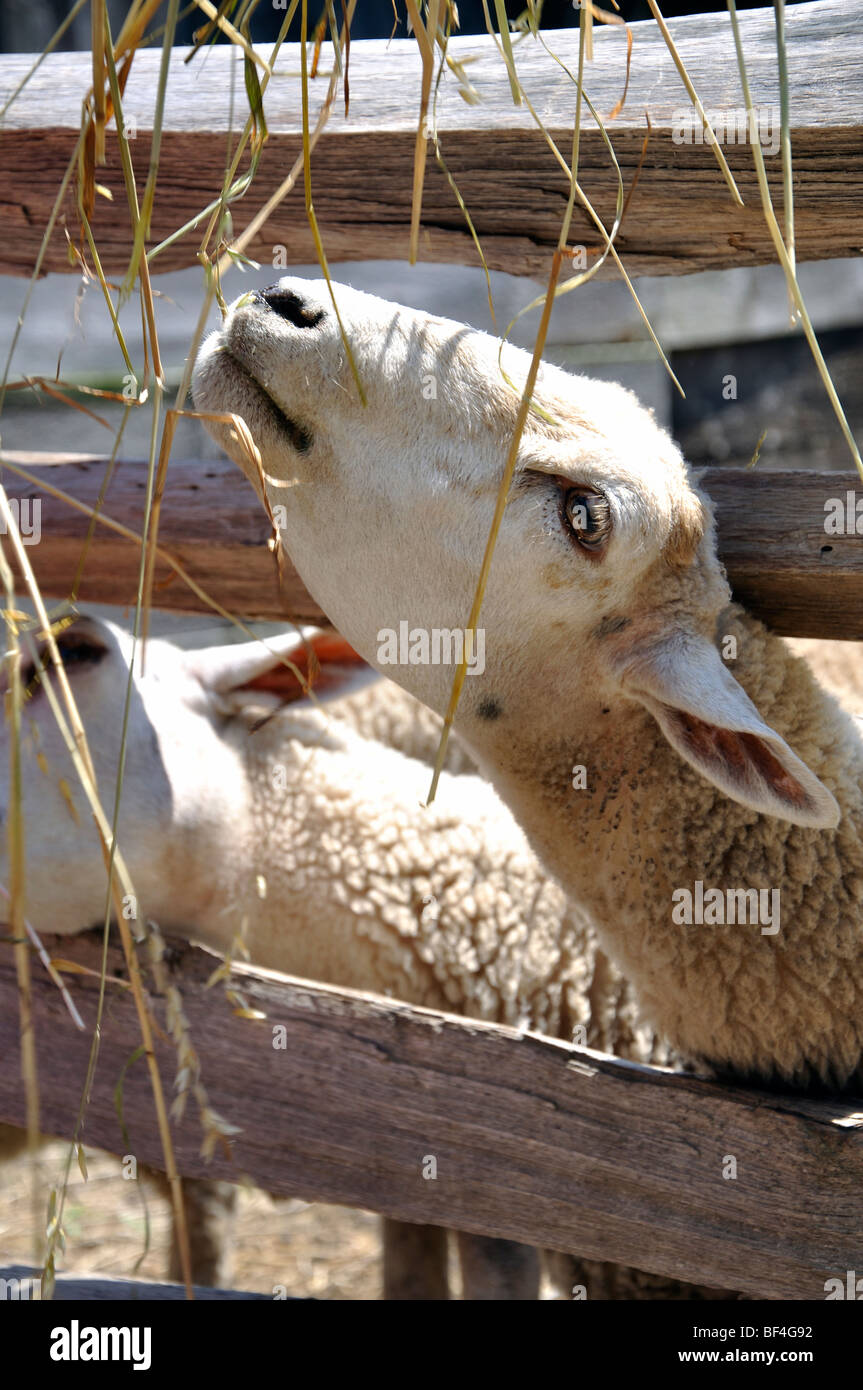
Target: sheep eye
(588, 518)
(75, 648)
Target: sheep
(709, 757)
(418, 905)
(240, 685)
(838, 666)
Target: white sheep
(446, 908)
(712, 760)
(231, 689)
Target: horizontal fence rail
(350, 1098)
(788, 541)
(681, 218)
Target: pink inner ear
(738, 755)
(329, 649)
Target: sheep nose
(291, 306)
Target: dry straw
(220, 251)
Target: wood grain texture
(781, 563)
(681, 219)
(212, 523)
(535, 1140)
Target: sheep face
(161, 808)
(605, 587)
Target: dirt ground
(317, 1251)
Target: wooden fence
(682, 218)
(534, 1139)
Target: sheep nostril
(288, 305)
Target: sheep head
(605, 588)
(185, 789)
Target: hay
(220, 250)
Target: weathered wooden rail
(533, 1139)
(782, 563)
(681, 219)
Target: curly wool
(501, 943)
(784, 1008)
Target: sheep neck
(647, 824)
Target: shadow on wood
(70, 1288)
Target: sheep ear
(327, 663)
(324, 659)
(712, 723)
